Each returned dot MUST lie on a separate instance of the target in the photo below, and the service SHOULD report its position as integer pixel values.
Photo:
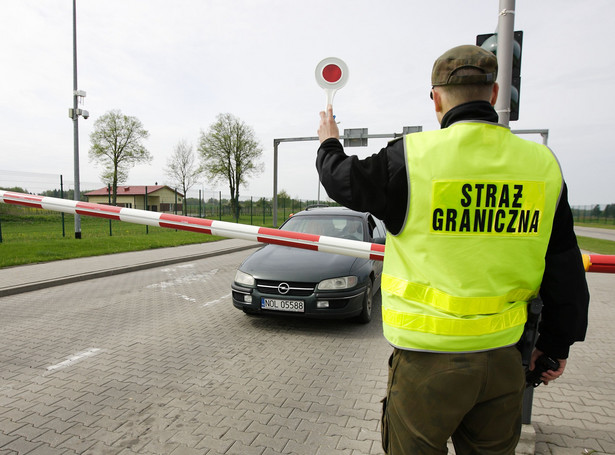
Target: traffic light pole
(506, 27)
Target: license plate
(295, 306)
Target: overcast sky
(176, 65)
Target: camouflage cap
(466, 56)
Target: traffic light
(489, 42)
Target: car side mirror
(379, 240)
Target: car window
(331, 226)
(380, 230)
(372, 224)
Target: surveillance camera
(85, 114)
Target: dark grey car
(285, 280)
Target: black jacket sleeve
(564, 289)
(376, 184)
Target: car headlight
(333, 284)
(244, 278)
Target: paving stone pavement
(577, 412)
(156, 361)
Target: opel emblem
(283, 288)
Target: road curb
(43, 284)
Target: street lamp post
(74, 113)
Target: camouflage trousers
(474, 398)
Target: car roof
(330, 211)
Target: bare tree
(182, 168)
(117, 146)
(229, 151)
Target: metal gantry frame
(543, 133)
(276, 143)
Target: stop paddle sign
(331, 75)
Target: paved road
(577, 411)
(606, 234)
(158, 361)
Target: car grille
(295, 288)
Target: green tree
(15, 189)
(68, 194)
(609, 211)
(283, 196)
(284, 201)
(182, 169)
(117, 145)
(596, 212)
(229, 152)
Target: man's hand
(549, 375)
(328, 127)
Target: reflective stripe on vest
(482, 325)
(454, 304)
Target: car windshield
(331, 226)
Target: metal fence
(202, 203)
(254, 208)
(213, 204)
(598, 214)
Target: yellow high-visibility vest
(471, 253)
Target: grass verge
(597, 246)
(28, 239)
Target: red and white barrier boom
(354, 248)
(314, 242)
(599, 263)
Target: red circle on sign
(331, 73)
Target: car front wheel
(368, 300)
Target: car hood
(274, 262)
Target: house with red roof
(157, 198)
